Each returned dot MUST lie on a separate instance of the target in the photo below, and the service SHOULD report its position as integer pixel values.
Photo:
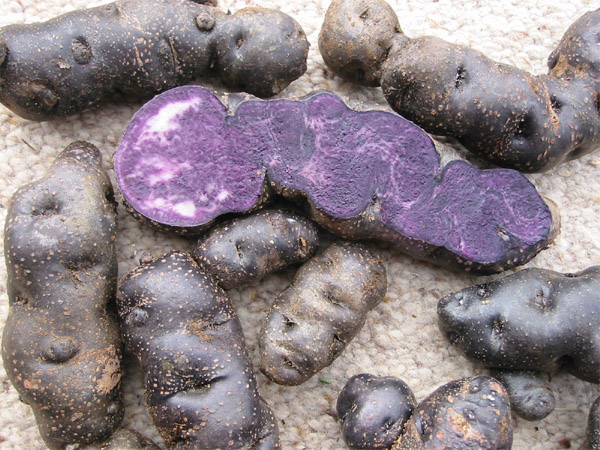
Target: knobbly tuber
(200, 385)
(312, 321)
(373, 410)
(363, 175)
(533, 320)
(126, 50)
(471, 413)
(530, 396)
(514, 119)
(251, 247)
(61, 346)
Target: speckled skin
(592, 436)
(61, 346)
(535, 319)
(200, 385)
(249, 248)
(530, 396)
(471, 413)
(313, 320)
(360, 174)
(373, 411)
(512, 118)
(124, 50)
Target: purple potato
(61, 346)
(249, 248)
(471, 413)
(313, 320)
(534, 319)
(374, 410)
(200, 384)
(126, 50)
(381, 412)
(514, 119)
(362, 175)
(530, 396)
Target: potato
(313, 320)
(530, 396)
(362, 175)
(502, 113)
(61, 346)
(374, 410)
(462, 414)
(249, 248)
(592, 438)
(381, 412)
(200, 384)
(126, 50)
(533, 320)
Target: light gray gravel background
(401, 337)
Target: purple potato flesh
(186, 159)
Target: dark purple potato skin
(83, 58)
(373, 410)
(61, 346)
(534, 319)
(592, 437)
(313, 320)
(471, 413)
(512, 118)
(362, 175)
(530, 396)
(200, 385)
(249, 248)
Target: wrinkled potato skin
(530, 396)
(200, 386)
(472, 413)
(249, 248)
(61, 345)
(312, 321)
(534, 319)
(512, 118)
(374, 410)
(124, 50)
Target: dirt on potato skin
(313, 320)
(127, 51)
(502, 113)
(463, 414)
(61, 346)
